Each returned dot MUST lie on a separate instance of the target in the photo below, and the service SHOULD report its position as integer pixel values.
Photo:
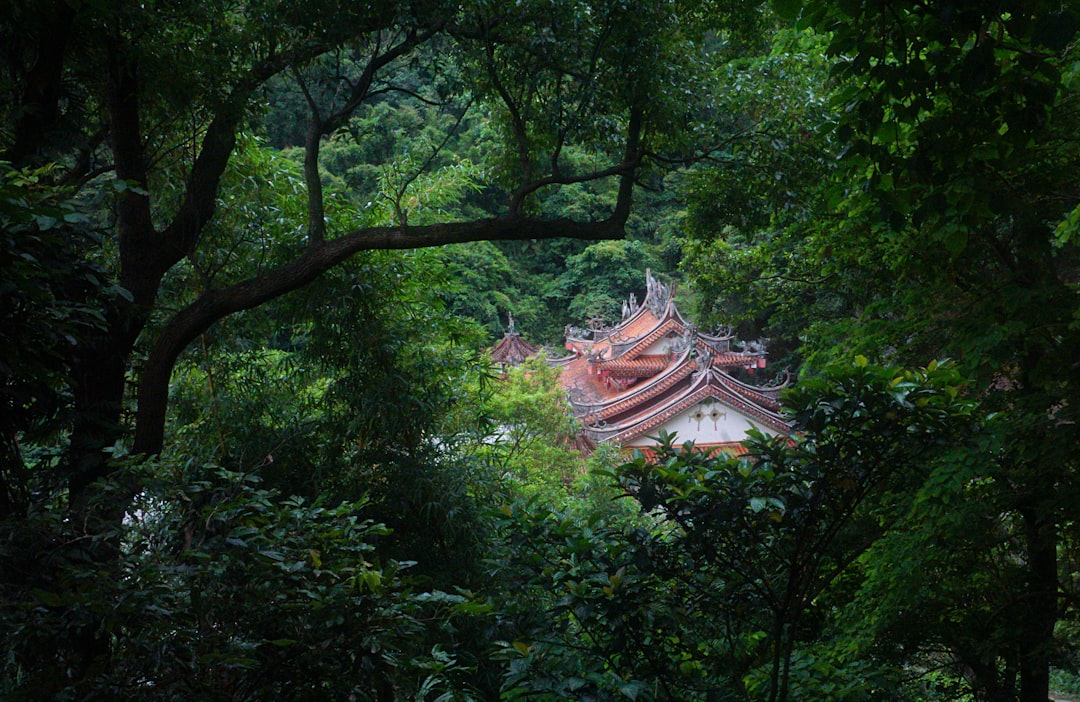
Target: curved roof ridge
(559, 360)
(661, 385)
(771, 393)
(637, 346)
(635, 393)
(697, 379)
(730, 335)
(740, 390)
(696, 393)
(727, 358)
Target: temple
(654, 371)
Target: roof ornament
(780, 381)
(511, 350)
(594, 421)
(599, 328)
(681, 343)
(721, 338)
(630, 306)
(703, 358)
(756, 347)
(657, 296)
(578, 333)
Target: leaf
(956, 240)
(787, 9)
(45, 222)
(49, 599)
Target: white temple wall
(708, 422)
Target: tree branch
(521, 134)
(320, 127)
(134, 219)
(214, 305)
(200, 198)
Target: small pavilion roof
(512, 350)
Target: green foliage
(402, 163)
(51, 301)
(901, 185)
(729, 584)
(597, 280)
(350, 409)
(226, 590)
(747, 221)
(530, 440)
(942, 230)
(488, 285)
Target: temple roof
(631, 378)
(512, 350)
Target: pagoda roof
(631, 378)
(708, 384)
(512, 350)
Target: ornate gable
(654, 370)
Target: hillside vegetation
(253, 251)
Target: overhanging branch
(217, 304)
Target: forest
(252, 446)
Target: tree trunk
(39, 106)
(984, 680)
(1040, 607)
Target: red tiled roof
(622, 391)
(647, 393)
(655, 417)
(639, 367)
(660, 330)
(512, 350)
(734, 359)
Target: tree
(749, 212)
(142, 113)
(953, 235)
(731, 583)
(168, 143)
(529, 437)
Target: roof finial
(510, 322)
